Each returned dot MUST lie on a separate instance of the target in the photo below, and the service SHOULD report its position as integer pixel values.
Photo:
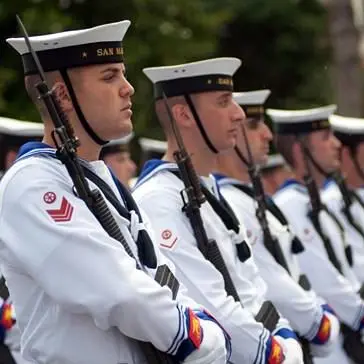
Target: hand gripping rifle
(66, 143)
(192, 198)
(270, 242)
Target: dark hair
(12, 143)
(113, 149)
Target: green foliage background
(282, 43)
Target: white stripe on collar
(49, 151)
(229, 181)
(165, 166)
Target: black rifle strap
(353, 196)
(325, 239)
(145, 246)
(227, 216)
(146, 253)
(275, 246)
(4, 291)
(297, 246)
(346, 246)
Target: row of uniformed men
(80, 297)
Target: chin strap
(79, 112)
(356, 163)
(199, 124)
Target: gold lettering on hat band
(322, 124)
(102, 52)
(225, 81)
(254, 109)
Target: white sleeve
(182, 295)
(326, 281)
(294, 303)
(79, 266)
(203, 281)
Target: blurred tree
(283, 47)
(161, 33)
(346, 69)
(39, 16)
(282, 44)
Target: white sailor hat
(252, 102)
(274, 160)
(209, 75)
(97, 45)
(348, 130)
(21, 129)
(153, 145)
(301, 121)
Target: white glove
(212, 349)
(321, 351)
(292, 350)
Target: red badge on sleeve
(169, 240)
(63, 213)
(276, 355)
(324, 331)
(194, 332)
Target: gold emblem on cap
(225, 81)
(84, 54)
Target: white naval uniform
(302, 308)
(332, 197)
(338, 290)
(13, 335)
(83, 314)
(158, 193)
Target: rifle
(193, 198)
(270, 242)
(67, 143)
(347, 196)
(316, 207)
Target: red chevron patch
(64, 213)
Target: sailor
(82, 294)
(274, 244)
(274, 172)
(13, 133)
(116, 155)
(199, 97)
(339, 192)
(307, 143)
(151, 149)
